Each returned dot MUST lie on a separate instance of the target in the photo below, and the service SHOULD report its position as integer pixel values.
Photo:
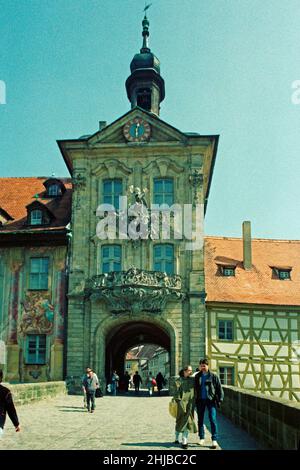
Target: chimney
(247, 252)
(102, 124)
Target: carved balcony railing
(135, 290)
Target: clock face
(137, 130)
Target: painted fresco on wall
(37, 314)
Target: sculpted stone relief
(135, 290)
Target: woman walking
(185, 398)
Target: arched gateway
(118, 336)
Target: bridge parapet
(273, 421)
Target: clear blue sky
(228, 66)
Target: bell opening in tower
(144, 98)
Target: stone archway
(124, 337)
(114, 336)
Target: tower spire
(145, 33)
(145, 87)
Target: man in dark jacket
(137, 380)
(208, 394)
(90, 383)
(7, 406)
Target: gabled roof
(18, 193)
(258, 285)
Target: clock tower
(125, 285)
(145, 87)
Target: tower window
(144, 98)
(163, 191)
(112, 189)
(111, 258)
(164, 258)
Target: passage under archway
(122, 338)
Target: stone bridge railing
(31, 392)
(274, 422)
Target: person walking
(126, 381)
(114, 383)
(7, 407)
(160, 382)
(90, 383)
(209, 394)
(150, 383)
(185, 397)
(137, 381)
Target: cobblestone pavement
(122, 422)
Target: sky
(229, 67)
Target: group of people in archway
(151, 383)
(123, 383)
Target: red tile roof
(17, 193)
(257, 285)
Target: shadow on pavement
(72, 409)
(167, 445)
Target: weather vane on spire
(147, 7)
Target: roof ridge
(281, 240)
(35, 177)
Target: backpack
(153, 381)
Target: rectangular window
(36, 349)
(163, 191)
(39, 270)
(112, 189)
(284, 274)
(164, 258)
(36, 217)
(111, 258)
(228, 271)
(226, 375)
(225, 329)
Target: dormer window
(226, 266)
(228, 271)
(38, 214)
(282, 273)
(4, 217)
(54, 187)
(36, 217)
(54, 190)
